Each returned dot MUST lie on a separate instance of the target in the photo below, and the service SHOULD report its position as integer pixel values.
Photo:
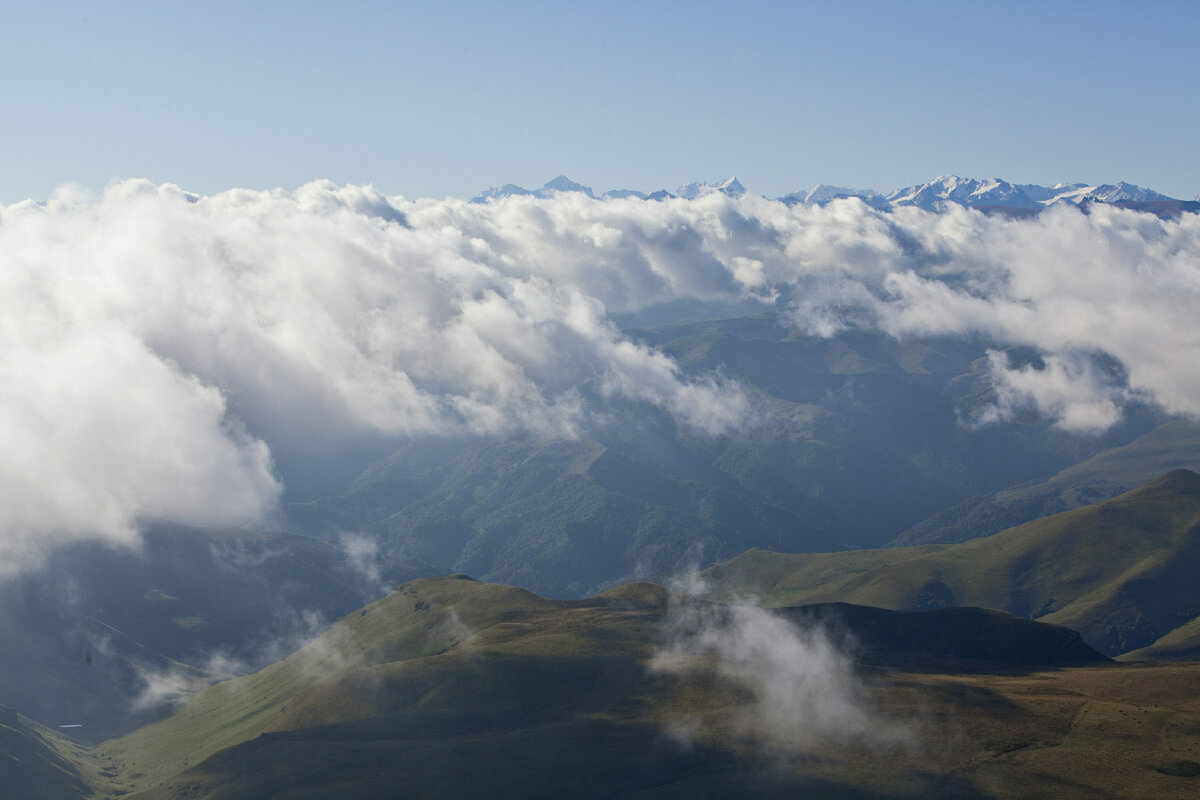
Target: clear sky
(448, 98)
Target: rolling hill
(1121, 572)
(449, 687)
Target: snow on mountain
(1122, 191)
(995, 192)
(560, 184)
(730, 186)
(1076, 193)
(823, 193)
(495, 192)
(931, 196)
(1039, 194)
(564, 184)
(964, 191)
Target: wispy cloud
(166, 684)
(362, 557)
(801, 684)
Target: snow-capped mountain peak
(995, 192)
(560, 184)
(823, 193)
(730, 186)
(1122, 191)
(987, 193)
(964, 191)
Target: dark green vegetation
(853, 441)
(450, 687)
(946, 639)
(101, 637)
(1122, 572)
(1173, 445)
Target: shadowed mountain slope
(36, 764)
(950, 639)
(1173, 445)
(1182, 643)
(852, 440)
(102, 637)
(1121, 572)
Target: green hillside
(1121, 572)
(400, 652)
(1182, 643)
(1172, 445)
(450, 687)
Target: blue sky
(437, 99)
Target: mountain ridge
(1119, 571)
(460, 664)
(933, 195)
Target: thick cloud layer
(156, 346)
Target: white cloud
(1113, 282)
(362, 557)
(1069, 390)
(155, 346)
(802, 687)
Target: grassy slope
(1173, 445)
(1098, 732)
(1107, 732)
(1120, 572)
(393, 643)
(452, 688)
(1181, 643)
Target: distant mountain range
(985, 193)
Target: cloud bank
(156, 347)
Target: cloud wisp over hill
(162, 350)
(801, 682)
